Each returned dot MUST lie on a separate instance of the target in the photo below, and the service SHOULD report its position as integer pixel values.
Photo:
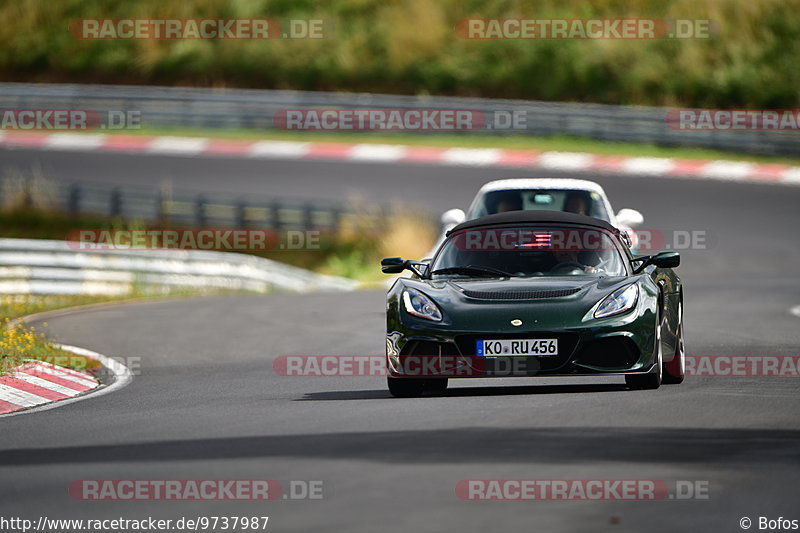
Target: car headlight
(418, 304)
(619, 301)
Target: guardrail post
(336, 219)
(74, 200)
(275, 216)
(200, 211)
(159, 208)
(27, 194)
(116, 202)
(308, 217)
(241, 219)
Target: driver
(571, 258)
(576, 203)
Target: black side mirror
(392, 265)
(667, 259)
(395, 265)
(661, 260)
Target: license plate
(511, 347)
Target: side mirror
(392, 265)
(395, 265)
(453, 217)
(666, 260)
(629, 217)
(661, 260)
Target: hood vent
(520, 295)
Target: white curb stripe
(177, 145)
(727, 170)
(792, 176)
(74, 377)
(43, 383)
(20, 397)
(561, 161)
(68, 141)
(377, 152)
(279, 149)
(648, 165)
(565, 160)
(472, 156)
(122, 376)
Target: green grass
(510, 142)
(411, 47)
(19, 342)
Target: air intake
(519, 295)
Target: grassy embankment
(411, 47)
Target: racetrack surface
(207, 403)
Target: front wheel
(653, 379)
(414, 387)
(437, 385)
(675, 370)
(405, 387)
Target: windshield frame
(625, 255)
(602, 201)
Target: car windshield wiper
(472, 269)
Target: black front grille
(609, 353)
(429, 348)
(520, 295)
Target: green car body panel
(560, 307)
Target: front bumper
(621, 346)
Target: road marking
(121, 373)
(377, 152)
(43, 383)
(648, 165)
(795, 310)
(65, 374)
(566, 161)
(21, 397)
(728, 170)
(67, 141)
(178, 145)
(478, 157)
(280, 149)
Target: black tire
(653, 379)
(436, 386)
(406, 387)
(674, 373)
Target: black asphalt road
(207, 403)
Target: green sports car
(533, 293)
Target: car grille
(520, 295)
(609, 353)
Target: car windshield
(529, 250)
(570, 200)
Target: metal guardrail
(166, 207)
(255, 109)
(53, 267)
